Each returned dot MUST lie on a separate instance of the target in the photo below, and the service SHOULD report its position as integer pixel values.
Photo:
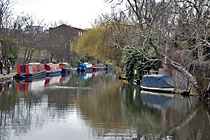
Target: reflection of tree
(181, 120)
(61, 99)
(103, 111)
(7, 102)
(195, 126)
(18, 113)
(119, 112)
(111, 110)
(146, 120)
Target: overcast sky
(78, 13)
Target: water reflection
(106, 110)
(158, 100)
(164, 116)
(32, 86)
(84, 75)
(38, 86)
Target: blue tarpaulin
(157, 81)
(81, 66)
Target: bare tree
(5, 13)
(30, 37)
(169, 26)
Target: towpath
(5, 77)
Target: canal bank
(6, 77)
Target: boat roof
(63, 63)
(156, 75)
(34, 63)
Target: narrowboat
(65, 68)
(162, 83)
(98, 67)
(85, 67)
(52, 69)
(30, 71)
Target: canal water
(96, 106)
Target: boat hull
(98, 69)
(157, 89)
(30, 77)
(53, 73)
(65, 71)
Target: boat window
(30, 69)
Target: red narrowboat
(65, 68)
(30, 71)
(52, 69)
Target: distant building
(61, 39)
(33, 29)
(68, 32)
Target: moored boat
(98, 67)
(52, 69)
(65, 68)
(85, 67)
(108, 66)
(30, 71)
(161, 83)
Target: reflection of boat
(65, 68)
(39, 85)
(98, 67)
(34, 86)
(30, 71)
(85, 67)
(52, 69)
(65, 79)
(157, 83)
(52, 80)
(156, 100)
(98, 73)
(84, 75)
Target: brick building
(61, 40)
